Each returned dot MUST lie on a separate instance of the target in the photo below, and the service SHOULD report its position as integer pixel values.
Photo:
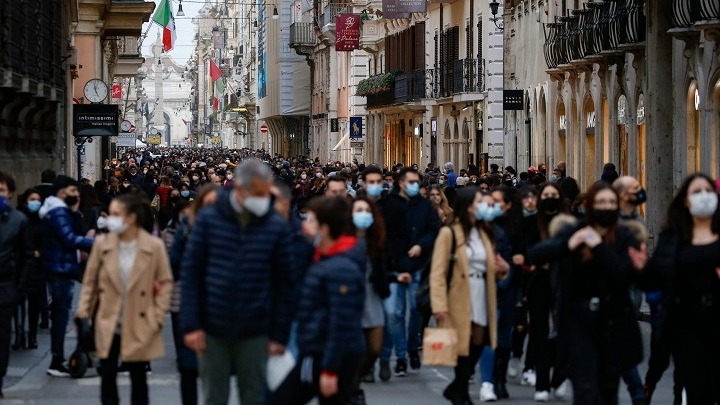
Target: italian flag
(164, 18)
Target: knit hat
(62, 182)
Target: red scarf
(343, 244)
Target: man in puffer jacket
(62, 226)
(330, 335)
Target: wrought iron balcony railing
(686, 13)
(333, 10)
(601, 26)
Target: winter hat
(62, 182)
(609, 173)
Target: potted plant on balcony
(376, 84)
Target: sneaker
(561, 392)
(415, 362)
(513, 367)
(385, 371)
(368, 378)
(58, 369)
(542, 396)
(401, 368)
(529, 378)
(487, 393)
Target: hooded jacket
(331, 304)
(63, 230)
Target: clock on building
(125, 126)
(95, 90)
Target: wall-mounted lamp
(180, 12)
(275, 15)
(494, 5)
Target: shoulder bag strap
(451, 262)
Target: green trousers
(248, 357)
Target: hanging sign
(355, 127)
(391, 12)
(347, 27)
(126, 140)
(116, 91)
(95, 119)
(513, 100)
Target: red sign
(347, 27)
(116, 91)
(263, 128)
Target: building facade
(629, 82)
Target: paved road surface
(27, 383)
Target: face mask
(553, 177)
(258, 206)
(303, 176)
(175, 198)
(412, 189)
(604, 218)
(441, 182)
(318, 175)
(229, 176)
(640, 197)
(116, 224)
(550, 206)
(102, 223)
(363, 220)
(360, 183)
(34, 206)
(3, 204)
(484, 212)
(704, 204)
(196, 178)
(185, 193)
(71, 200)
(527, 212)
(374, 190)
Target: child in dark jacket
(330, 336)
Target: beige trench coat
(456, 300)
(145, 306)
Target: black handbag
(422, 295)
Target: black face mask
(175, 198)
(550, 206)
(604, 218)
(71, 200)
(640, 197)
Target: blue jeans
(61, 292)
(399, 332)
(634, 384)
(487, 364)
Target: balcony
(598, 29)
(461, 76)
(393, 88)
(302, 38)
(330, 12)
(687, 13)
(129, 59)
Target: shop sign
(590, 123)
(513, 100)
(126, 140)
(355, 127)
(347, 27)
(95, 119)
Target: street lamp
(494, 5)
(180, 12)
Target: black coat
(33, 278)
(612, 328)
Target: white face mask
(303, 176)
(318, 175)
(258, 206)
(703, 204)
(116, 224)
(102, 223)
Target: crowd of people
(344, 265)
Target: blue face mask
(34, 206)
(3, 204)
(484, 212)
(496, 212)
(527, 212)
(412, 189)
(185, 193)
(363, 220)
(374, 190)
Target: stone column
(659, 113)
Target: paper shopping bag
(278, 368)
(440, 347)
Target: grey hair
(252, 169)
(449, 166)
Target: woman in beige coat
(469, 305)
(126, 288)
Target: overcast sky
(183, 27)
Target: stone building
(632, 82)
